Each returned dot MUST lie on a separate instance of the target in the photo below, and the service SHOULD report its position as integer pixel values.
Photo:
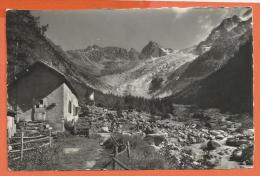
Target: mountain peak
(91, 48)
(151, 42)
(229, 29)
(133, 54)
(230, 22)
(152, 49)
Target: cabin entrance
(39, 111)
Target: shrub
(142, 155)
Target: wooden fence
(25, 140)
(116, 161)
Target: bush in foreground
(142, 155)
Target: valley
(137, 81)
(189, 108)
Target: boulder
(104, 129)
(212, 145)
(215, 133)
(232, 141)
(219, 137)
(237, 155)
(181, 139)
(236, 142)
(172, 140)
(221, 153)
(193, 139)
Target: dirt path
(80, 153)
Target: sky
(175, 28)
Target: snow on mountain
(125, 72)
(158, 71)
(137, 81)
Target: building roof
(51, 68)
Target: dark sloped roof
(51, 68)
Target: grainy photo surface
(131, 89)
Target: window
(77, 110)
(41, 102)
(69, 107)
(74, 110)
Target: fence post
(115, 154)
(22, 135)
(128, 149)
(50, 136)
(121, 164)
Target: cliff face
(220, 46)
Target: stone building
(42, 93)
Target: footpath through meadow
(81, 153)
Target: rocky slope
(222, 76)
(213, 54)
(184, 137)
(130, 72)
(107, 60)
(138, 80)
(102, 61)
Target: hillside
(27, 43)
(229, 89)
(213, 53)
